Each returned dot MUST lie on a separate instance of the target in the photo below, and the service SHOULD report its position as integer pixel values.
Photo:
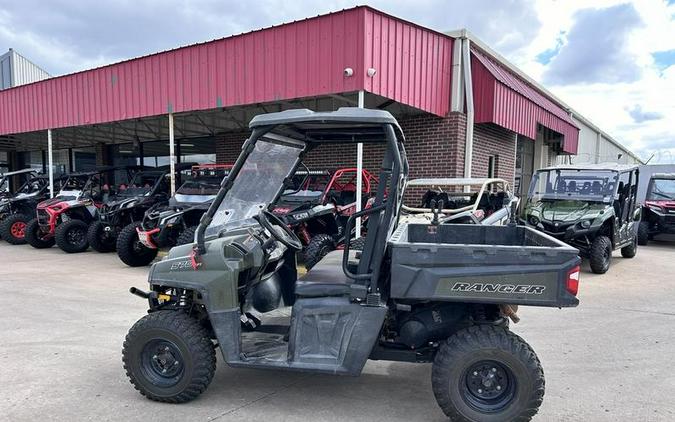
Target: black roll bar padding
(348, 229)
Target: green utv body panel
(217, 274)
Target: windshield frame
(214, 228)
(606, 197)
(650, 189)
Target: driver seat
(326, 278)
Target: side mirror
(637, 214)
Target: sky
(611, 60)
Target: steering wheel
(279, 230)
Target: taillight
(572, 284)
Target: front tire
(169, 357)
(131, 251)
(487, 373)
(99, 240)
(71, 236)
(318, 247)
(36, 237)
(13, 229)
(643, 233)
(601, 254)
(631, 250)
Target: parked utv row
(434, 281)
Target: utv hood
(566, 211)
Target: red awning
(503, 98)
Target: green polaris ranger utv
(592, 207)
(420, 292)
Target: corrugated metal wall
(512, 104)
(16, 70)
(413, 64)
(300, 59)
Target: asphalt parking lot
(64, 317)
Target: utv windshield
(256, 184)
(581, 185)
(73, 187)
(201, 186)
(661, 189)
(306, 187)
(141, 184)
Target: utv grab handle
(348, 229)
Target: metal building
(466, 111)
(17, 70)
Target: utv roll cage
(349, 126)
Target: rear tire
(99, 240)
(169, 357)
(318, 247)
(487, 373)
(71, 236)
(630, 250)
(643, 233)
(36, 238)
(13, 229)
(187, 236)
(601, 254)
(131, 251)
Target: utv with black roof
(658, 211)
(592, 207)
(173, 223)
(17, 210)
(146, 189)
(416, 292)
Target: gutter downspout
(468, 91)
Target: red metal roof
(505, 99)
(295, 60)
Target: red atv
(317, 206)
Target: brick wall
(492, 140)
(435, 148)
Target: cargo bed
(481, 264)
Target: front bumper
(146, 237)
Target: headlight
(171, 220)
(656, 208)
(585, 224)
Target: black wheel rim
(162, 363)
(488, 386)
(76, 236)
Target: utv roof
(663, 176)
(455, 181)
(14, 173)
(598, 167)
(347, 124)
